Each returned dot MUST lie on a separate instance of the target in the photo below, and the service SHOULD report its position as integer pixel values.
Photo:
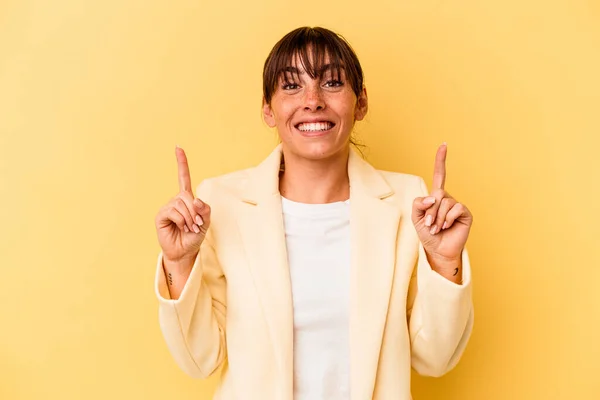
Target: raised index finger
(439, 169)
(185, 183)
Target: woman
(314, 275)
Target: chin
(320, 150)
(319, 145)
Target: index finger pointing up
(439, 169)
(185, 184)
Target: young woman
(314, 275)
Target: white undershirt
(318, 246)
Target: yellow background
(94, 96)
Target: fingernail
(444, 226)
(177, 146)
(445, 144)
(186, 229)
(198, 203)
(199, 220)
(433, 229)
(428, 220)
(429, 200)
(196, 229)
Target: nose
(313, 98)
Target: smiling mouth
(311, 127)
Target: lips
(317, 126)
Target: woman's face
(314, 117)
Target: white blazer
(236, 308)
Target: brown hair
(308, 43)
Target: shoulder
(404, 183)
(401, 184)
(223, 185)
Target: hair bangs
(316, 51)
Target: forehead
(308, 55)
(310, 61)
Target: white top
(318, 247)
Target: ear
(268, 114)
(362, 105)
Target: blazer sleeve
(193, 326)
(440, 315)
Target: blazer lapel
(374, 229)
(263, 234)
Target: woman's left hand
(442, 223)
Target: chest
(319, 261)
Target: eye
(289, 86)
(334, 83)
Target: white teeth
(315, 126)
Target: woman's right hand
(182, 223)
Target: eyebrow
(296, 71)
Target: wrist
(178, 266)
(449, 268)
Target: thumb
(420, 207)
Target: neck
(315, 181)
